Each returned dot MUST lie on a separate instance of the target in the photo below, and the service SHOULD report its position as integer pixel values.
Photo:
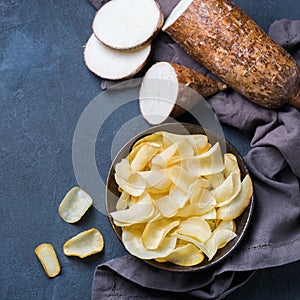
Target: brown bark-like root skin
(221, 37)
(203, 85)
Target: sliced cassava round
(84, 244)
(163, 92)
(113, 64)
(74, 205)
(48, 258)
(221, 37)
(128, 24)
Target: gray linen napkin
(273, 237)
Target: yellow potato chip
(84, 244)
(48, 258)
(74, 205)
(236, 207)
(156, 231)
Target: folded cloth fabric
(273, 237)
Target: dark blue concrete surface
(44, 88)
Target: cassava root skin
(203, 85)
(221, 37)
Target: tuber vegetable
(128, 24)
(114, 64)
(221, 37)
(163, 91)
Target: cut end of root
(128, 24)
(113, 64)
(158, 93)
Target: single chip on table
(84, 244)
(48, 258)
(74, 205)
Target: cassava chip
(236, 207)
(210, 162)
(84, 244)
(228, 190)
(195, 227)
(164, 157)
(156, 231)
(167, 206)
(218, 239)
(154, 137)
(143, 156)
(178, 198)
(48, 258)
(181, 178)
(132, 240)
(231, 164)
(123, 201)
(134, 185)
(141, 212)
(187, 255)
(215, 180)
(74, 205)
(156, 179)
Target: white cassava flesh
(127, 24)
(113, 64)
(176, 13)
(170, 89)
(157, 103)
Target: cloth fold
(273, 237)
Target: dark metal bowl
(242, 222)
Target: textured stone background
(44, 88)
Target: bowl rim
(249, 210)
